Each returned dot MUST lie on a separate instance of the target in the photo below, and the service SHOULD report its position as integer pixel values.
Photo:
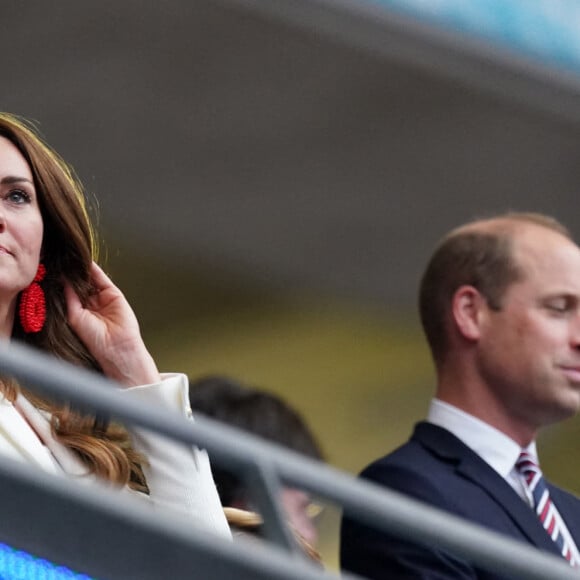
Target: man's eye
(559, 306)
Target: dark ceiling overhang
(311, 144)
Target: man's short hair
(473, 255)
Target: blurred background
(270, 177)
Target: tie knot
(526, 464)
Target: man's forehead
(539, 239)
(541, 250)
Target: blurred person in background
(500, 306)
(267, 416)
(54, 297)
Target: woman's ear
(468, 311)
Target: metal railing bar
(379, 507)
(263, 487)
(99, 531)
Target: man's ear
(468, 312)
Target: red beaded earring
(33, 304)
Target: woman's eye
(18, 196)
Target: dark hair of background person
(252, 410)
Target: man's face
(296, 505)
(529, 351)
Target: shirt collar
(494, 447)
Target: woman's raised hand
(109, 329)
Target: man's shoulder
(411, 455)
(417, 467)
(429, 449)
(424, 469)
(564, 497)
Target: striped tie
(543, 504)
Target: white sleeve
(179, 476)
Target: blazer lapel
(18, 434)
(42, 432)
(470, 466)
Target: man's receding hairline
(507, 226)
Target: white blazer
(179, 477)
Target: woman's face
(21, 226)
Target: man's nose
(575, 331)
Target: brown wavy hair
(68, 248)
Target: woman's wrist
(131, 366)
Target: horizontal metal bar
(106, 534)
(379, 507)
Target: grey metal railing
(112, 520)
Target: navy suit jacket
(434, 466)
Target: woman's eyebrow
(10, 179)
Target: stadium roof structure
(313, 143)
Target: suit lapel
(470, 466)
